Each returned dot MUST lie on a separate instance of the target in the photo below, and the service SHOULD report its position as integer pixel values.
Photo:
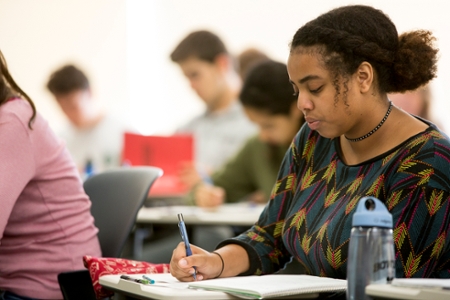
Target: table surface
(390, 292)
(166, 288)
(238, 214)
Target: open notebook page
(273, 286)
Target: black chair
(116, 196)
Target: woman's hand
(207, 195)
(208, 265)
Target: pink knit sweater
(45, 221)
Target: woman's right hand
(207, 195)
(208, 265)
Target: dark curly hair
(349, 35)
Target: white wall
(124, 46)
(266, 24)
(36, 37)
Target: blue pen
(185, 239)
(205, 176)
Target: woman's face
(77, 105)
(206, 79)
(328, 115)
(275, 129)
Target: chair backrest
(116, 196)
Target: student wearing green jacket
(269, 102)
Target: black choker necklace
(375, 129)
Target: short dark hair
(267, 88)
(201, 44)
(349, 35)
(67, 79)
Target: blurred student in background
(223, 128)
(248, 58)
(219, 132)
(93, 138)
(417, 102)
(269, 102)
(45, 222)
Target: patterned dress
(310, 212)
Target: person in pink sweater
(45, 222)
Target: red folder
(165, 152)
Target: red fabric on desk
(99, 266)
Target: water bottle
(371, 256)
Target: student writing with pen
(355, 143)
(223, 127)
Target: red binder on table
(165, 152)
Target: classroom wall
(266, 24)
(125, 46)
(36, 37)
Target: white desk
(171, 289)
(387, 291)
(168, 287)
(234, 214)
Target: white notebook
(273, 286)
